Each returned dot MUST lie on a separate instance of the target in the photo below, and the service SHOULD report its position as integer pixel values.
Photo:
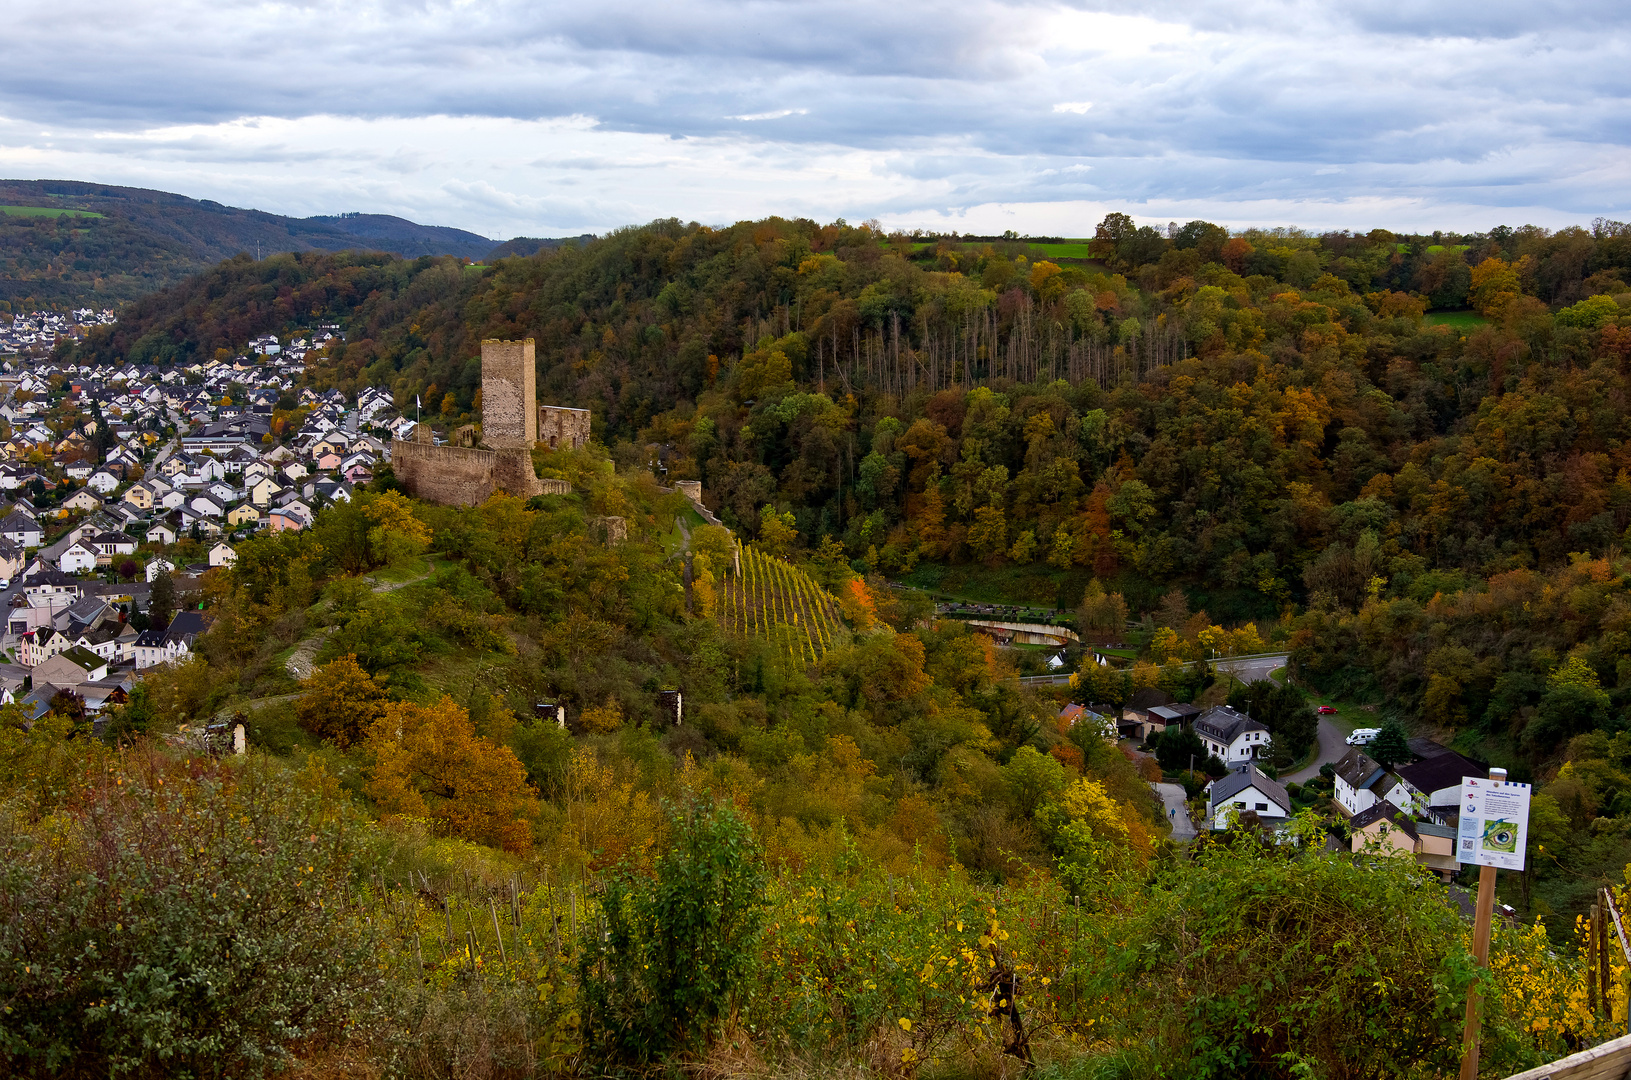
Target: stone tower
(509, 394)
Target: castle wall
(509, 389)
(459, 476)
(561, 429)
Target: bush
(672, 953)
(179, 919)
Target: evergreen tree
(161, 603)
(1391, 747)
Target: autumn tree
(1101, 614)
(428, 762)
(340, 702)
(396, 536)
(776, 533)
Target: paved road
(1177, 810)
(1333, 745)
(1251, 669)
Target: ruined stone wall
(561, 429)
(458, 476)
(509, 394)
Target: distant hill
(66, 243)
(532, 245)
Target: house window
(1262, 806)
(1240, 803)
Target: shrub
(672, 954)
(179, 919)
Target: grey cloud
(1251, 98)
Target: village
(115, 477)
(36, 333)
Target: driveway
(1177, 810)
(1333, 744)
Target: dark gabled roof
(1440, 771)
(1358, 770)
(17, 521)
(1225, 724)
(184, 627)
(1385, 810)
(1148, 698)
(1241, 779)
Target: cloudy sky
(527, 118)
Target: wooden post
(492, 909)
(1593, 933)
(1602, 955)
(1480, 953)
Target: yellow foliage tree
(428, 762)
(1245, 640)
(340, 702)
(397, 536)
(602, 719)
(776, 533)
(1164, 644)
(1495, 284)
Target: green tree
(1177, 747)
(161, 601)
(670, 961)
(1391, 746)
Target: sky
(549, 119)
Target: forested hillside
(66, 243)
(889, 860)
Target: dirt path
(302, 662)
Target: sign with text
(1494, 823)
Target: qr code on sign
(1466, 845)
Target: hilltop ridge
(67, 243)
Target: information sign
(1494, 823)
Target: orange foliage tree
(430, 763)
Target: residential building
(1246, 790)
(1231, 736)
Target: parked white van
(1363, 736)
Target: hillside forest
(867, 847)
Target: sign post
(1492, 834)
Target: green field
(1459, 320)
(45, 211)
(1075, 249)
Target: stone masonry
(562, 429)
(509, 394)
(463, 475)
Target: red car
(1327, 710)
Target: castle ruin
(563, 428)
(464, 475)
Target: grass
(1278, 675)
(1075, 249)
(1457, 320)
(45, 211)
(1349, 714)
(394, 574)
